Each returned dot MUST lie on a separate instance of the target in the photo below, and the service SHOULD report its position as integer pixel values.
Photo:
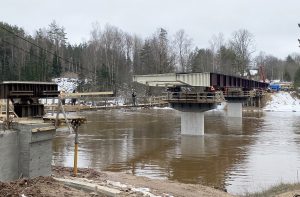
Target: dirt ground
(157, 187)
(127, 184)
(40, 186)
(295, 193)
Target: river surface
(241, 155)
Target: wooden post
(75, 150)
(7, 113)
(75, 124)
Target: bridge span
(194, 93)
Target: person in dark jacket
(133, 98)
(73, 100)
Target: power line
(36, 45)
(24, 50)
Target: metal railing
(195, 97)
(240, 93)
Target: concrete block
(9, 155)
(40, 159)
(41, 134)
(90, 187)
(26, 150)
(35, 155)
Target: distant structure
(194, 93)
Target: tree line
(111, 56)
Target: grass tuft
(275, 190)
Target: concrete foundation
(234, 109)
(26, 151)
(9, 158)
(192, 123)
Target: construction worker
(62, 97)
(73, 100)
(133, 97)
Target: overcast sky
(272, 22)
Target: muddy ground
(40, 186)
(129, 185)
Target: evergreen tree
(56, 66)
(286, 75)
(297, 78)
(201, 60)
(29, 71)
(147, 60)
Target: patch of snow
(116, 184)
(221, 106)
(168, 108)
(145, 191)
(283, 102)
(66, 84)
(253, 72)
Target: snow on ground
(283, 102)
(169, 108)
(66, 84)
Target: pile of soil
(39, 186)
(88, 173)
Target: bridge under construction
(194, 93)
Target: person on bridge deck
(133, 97)
(73, 100)
(62, 97)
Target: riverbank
(90, 182)
(280, 190)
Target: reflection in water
(234, 125)
(241, 155)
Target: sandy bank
(128, 183)
(125, 184)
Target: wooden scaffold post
(75, 124)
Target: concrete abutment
(26, 151)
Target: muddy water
(245, 155)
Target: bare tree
(216, 42)
(182, 45)
(242, 43)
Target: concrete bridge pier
(234, 109)
(192, 117)
(192, 123)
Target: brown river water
(241, 155)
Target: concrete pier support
(192, 123)
(234, 109)
(26, 150)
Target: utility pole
(298, 38)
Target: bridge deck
(206, 79)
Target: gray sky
(272, 22)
